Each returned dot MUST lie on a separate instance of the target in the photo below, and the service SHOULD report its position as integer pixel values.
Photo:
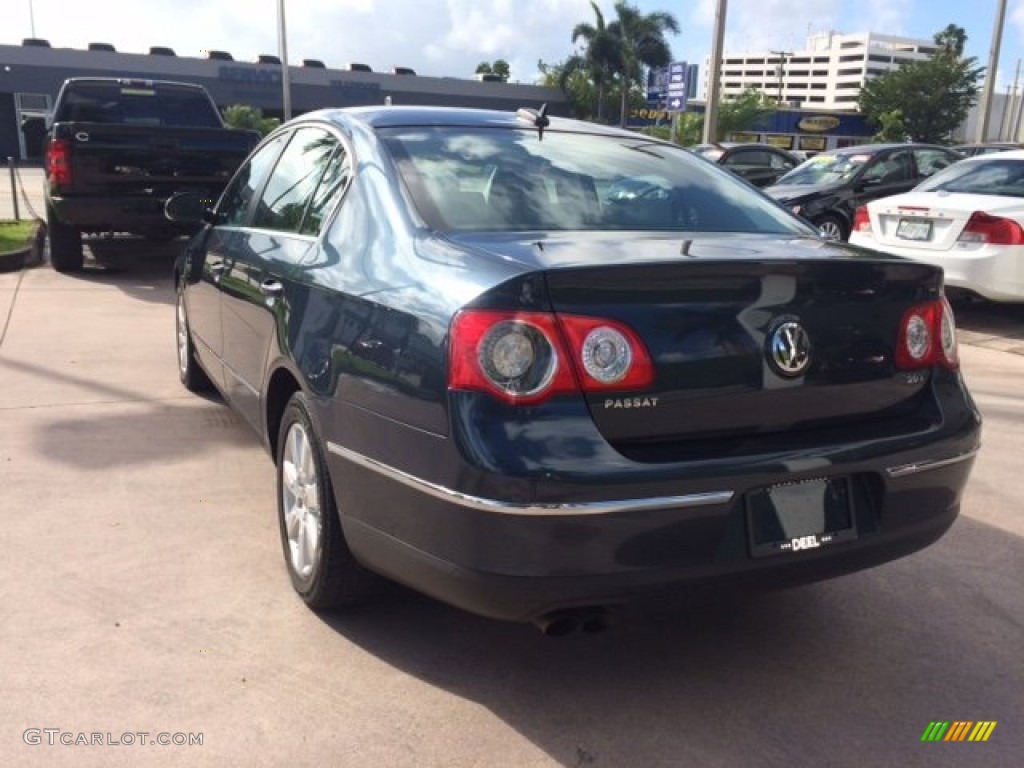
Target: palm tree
(951, 40)
(640, 42)
(598, 60)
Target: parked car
(967, 219)
(482, 375)
(828, 188)
(760, 164)
(117, 149)
(986, 148)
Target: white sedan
(967, 219)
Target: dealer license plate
(795, 517)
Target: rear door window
(294, 181)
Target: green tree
(951, 40)
(743, 112)
(640, 42)
(933, 96)
(245, 116)
(498, 67)
(892, 126)
(579, 89)
(596, 62)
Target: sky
(450, 37)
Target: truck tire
(65, 244)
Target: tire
(65, 244)
(832, 227)
(192, 376)
(322, 569)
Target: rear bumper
(519, 561)
(141, 215)
(993, 272)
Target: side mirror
(189, 208)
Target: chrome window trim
(532, 509)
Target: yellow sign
(818, 124)
(782, 142)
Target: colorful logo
(958, 730)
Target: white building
(828, 74)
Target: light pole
(31, 18)
(985, 104)
(779, 70)
(282, 44)
(714, 75)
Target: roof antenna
(536, 117)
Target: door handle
(271, 288)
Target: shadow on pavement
(141, 269)
(847, 672)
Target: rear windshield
(825, 169)
(466, 179)
(149, 104)
(988, 176)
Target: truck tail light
(58, 163)
(524, 358)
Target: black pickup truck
(117, 149)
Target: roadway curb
(28, 256)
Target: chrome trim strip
(928, 464)
(520, 508)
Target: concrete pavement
(142, 589)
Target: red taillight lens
(58, 162)
(608, 355)
(995, 230)
(517, 356)
(861, 220)
(927, 337)
(524, 358)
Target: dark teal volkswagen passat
(487, 373)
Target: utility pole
(779, 70)
(31, 18)
(282, 43)
(714, 75)
(985, 104)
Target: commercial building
(828, 74)
(32, 73)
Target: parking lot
(144, 591)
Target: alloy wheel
(300, 497)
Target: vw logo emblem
(789, 350)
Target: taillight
(524, 358)
(607, 354)
(995, 230)
(861, 220)
(927, 337)
(58, 162)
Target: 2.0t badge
(789, 349)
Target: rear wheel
(189, 371)
(322, 569)
(65, 244)
(832, 227)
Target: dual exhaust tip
(568, 621)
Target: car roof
(1010, 154)
(391, 117)
(873, 149)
